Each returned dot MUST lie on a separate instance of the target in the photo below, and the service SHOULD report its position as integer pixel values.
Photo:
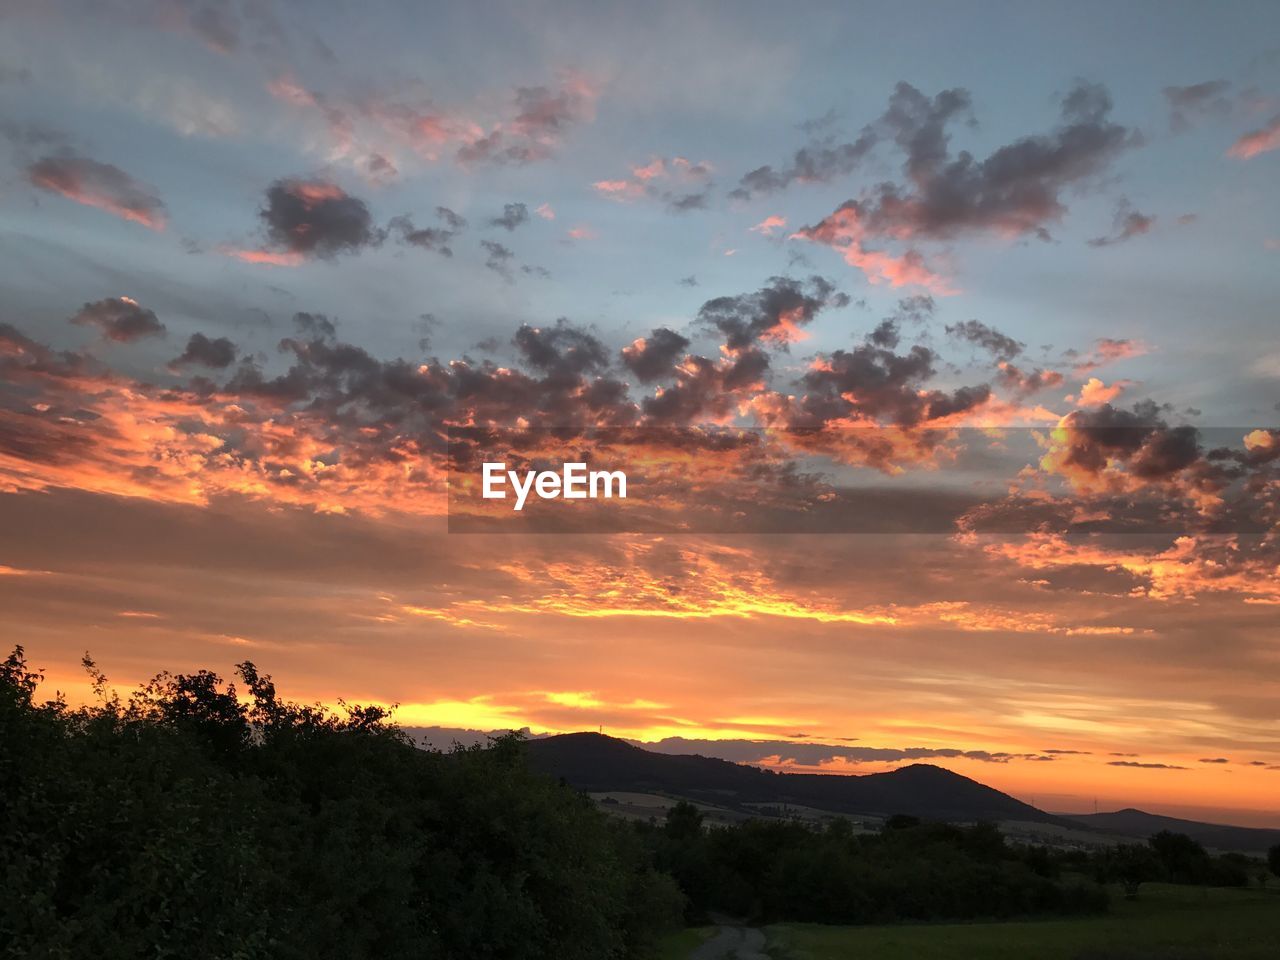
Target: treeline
(769, 870)
(189, 822)
(1170, 857)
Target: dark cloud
(1214, 760)
(436, 239)
(818, 162)
(119, 319)
(875, 382)
(1197, 101)
(98, 185)
(681, 203)
(1129, 223)
(499, 258)
(513, 215)
(1015, 190)
(814, 754)
(776, 312)
(314, 325)
(999, 345)
(1137, 438)
(689, 281)
(217, 27)
(1143, 766)
(317, 218)
(1026, 383)
(202, 351)
(654, 357)
(562, 350)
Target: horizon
(942, 376)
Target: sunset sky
(258, 259)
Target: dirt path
(732, 942)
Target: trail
(732, 941)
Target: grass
(678, 946)
(1165, 923)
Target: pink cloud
(269, 258)
(769, 224)
(1095, 393)
(1257, 142)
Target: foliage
(193, 821)
(912, 870)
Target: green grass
(1165, 923)
(678, 946)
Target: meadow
(1167, 922)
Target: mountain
(594, 762)
(1218, 836)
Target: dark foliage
(911, 870)
(198, 820)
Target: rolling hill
(1217, 836)
(594, 762)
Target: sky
(944, 335)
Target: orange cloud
(844, 231)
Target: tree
(1130, 865)
(1273, 859)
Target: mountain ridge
(596, 762)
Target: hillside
(591, 761)
(1217, 836)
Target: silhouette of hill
(594, 762)
(1219, 836)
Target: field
(1166, 923)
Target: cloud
(787, 753)
(820, 161)
(999, 345)
(768, 225)
(1143, 766)
(1107, 350)
(1015, 190)
(1129, 223)
(777, 313)
(1195, 102)
(545, 211)
(679, 183)
(513, 215)
(561, 351)
(99, 185)
(1093, 392)
(436, 239)
(216, 27)
(543, 116)
(316, 218)
(1023, 383)
(216, 353)
(499, 258)
(654, 357)
(120, 320)
(268, 258)
(1258, 142)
